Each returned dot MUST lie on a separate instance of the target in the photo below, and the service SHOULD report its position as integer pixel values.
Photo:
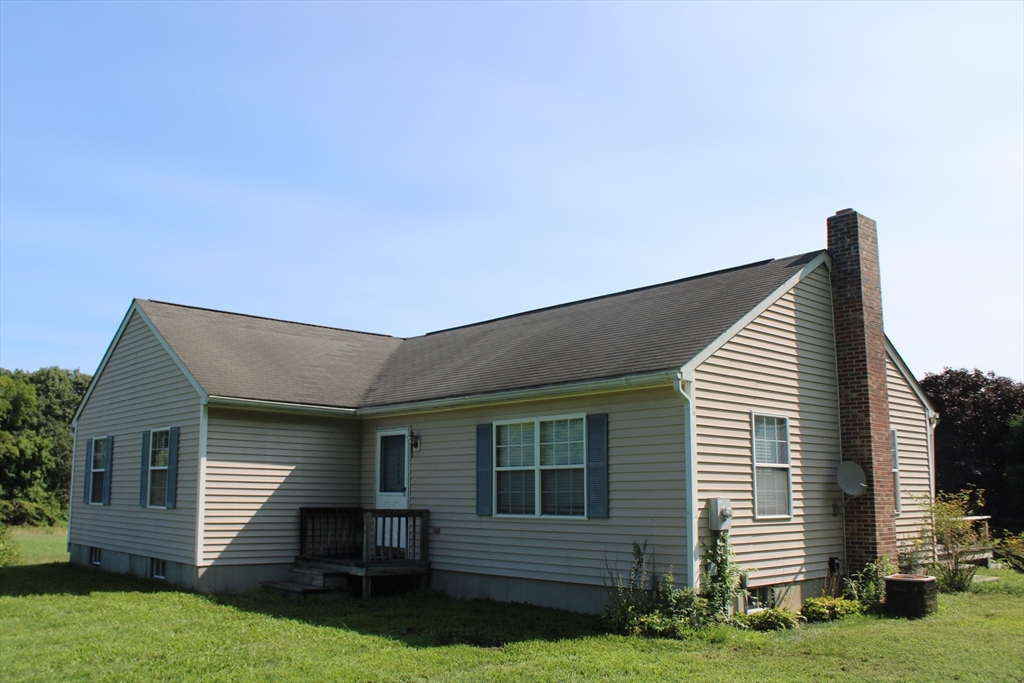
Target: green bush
(868, 585)
(639, 605)
(1011, 551)
(771, 619)
(10, 553)
(828, 608)
(955, 537)
(26, 513)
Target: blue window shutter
(597, 465)
(108, 463)
(144, 481)
(88, 470)
(484, 475)
(172, 467)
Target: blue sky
(402, 168)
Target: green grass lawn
(59, 622)
(41, 545)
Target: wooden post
(369, 536)
(425, 536)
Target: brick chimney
(865, 439)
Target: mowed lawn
(59, 622)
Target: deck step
(318, 576)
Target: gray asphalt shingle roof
(637, 331)
(243, 356)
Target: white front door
(392, 469)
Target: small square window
(762, 597)
(95, 556)
(157, 568)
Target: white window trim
(150, 468)
(157, 568)
(537, 467)
(896, 484)
(92, 470)
(788, 466)
(95, 557)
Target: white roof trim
(812, 265)
(134, 308)
(901, 365)
(278, 406)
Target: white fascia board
(819, 260)
(901, 365)
(652, 379)
(277, 406)
(134, 308)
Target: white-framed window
(159, 457)
(540, 466)
(98, 466)
(95, 556)
(157, 568)
(772, 476)
(762, 597)
(896, 470)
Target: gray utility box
(720, 513)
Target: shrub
(1011, 550)
(955, 538)
(828, 608)
(26, 513)
(771, 619)
(868, 585)
(912, 555)
(664, 610)
(10, 553)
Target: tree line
(36, 444)
(979, 441)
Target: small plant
(1010, 550)
(630, 598)
(771, 619)
(719, 585)
(10, 553)
(868, 585)
(953, 535)
(828, 608)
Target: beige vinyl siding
(907, 415)
(141, 388)
(782, 363)
(646, 484)
(260, 469)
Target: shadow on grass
(420, 620)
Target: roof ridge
(613, 294)
(277, 320)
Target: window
(896, 471)
(540, 467)
(771, 467)
(95, 556)
(157, 568)
(762, 597)
(159, 457)
(97, 470)
(392, 463)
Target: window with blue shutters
(543, 467)
(159, 468)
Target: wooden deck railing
(371, 536)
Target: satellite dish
(851, 478)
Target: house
(541, 444)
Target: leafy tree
(25, 457)
(978, 442)
(35, 440)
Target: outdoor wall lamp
(414, 441)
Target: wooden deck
(365, 543)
